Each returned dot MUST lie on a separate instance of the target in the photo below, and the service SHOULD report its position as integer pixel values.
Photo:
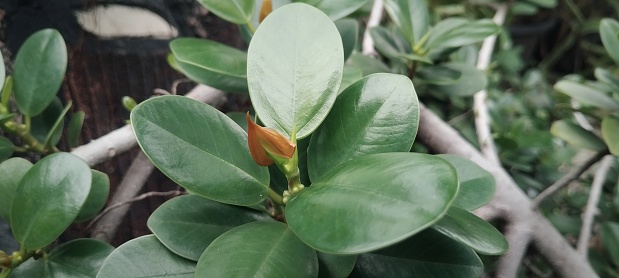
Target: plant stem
(251, 27)
(275, 198)
(5, 272)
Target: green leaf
(97, 197)
(367, 64)
(6, 148)
(472, 231)
(401, 193)
(211, 63)
(389, 42)
(442, 74)
(577, 136)
(2, 70)
(53, 136)
(350, 76)
(427, 254)
(349, 31)
(610, 133)
(608, 78)
(188, 224)
(38, 71)
(6, 117)
(476, 184)
(377, 114)
(609, 31)
(456, 32)
(48, 199)
(43, 124)
(185, 139)
(146, 257)
(80, 258)
(586, 95)
(75, 129)
(258, 249)
(335, 266)
(470, 81)
(411, 16)
(610, 240)
(239, 119)
(294, 75)
(543, 3)
(336, 9)
(12, 171)
(7, 89)
(235, 11)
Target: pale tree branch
(374, 20)
(592, 204)
(518, 234)
(571, 176)
(513, 204)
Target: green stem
(276, 198)
(5, 272)
(28, 123)
(251, 27)
(572, 6)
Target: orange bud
(265, 10)
(263, 139)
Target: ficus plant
(325, 186)
(41, 200)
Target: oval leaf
(610, 239)
(609, 31)
(48, 199)
(80, 258)
(6, 148)
(389, 42)
(427, 254)
(294, 75)
(75, 129)
(401, 193)
(456, 32)
(145, 257)
(610, 133)
(349, 31)
(11, 171)
(188, 224)
(211, 63)
(476, 184)
(411, 16)
(577, 136)
(367, 64)
(586, 95)
(335, 266)
(97, 197)
(235, 11)
(336, 9)
(377, 114)
(184, 138)
(44, 124)
(38, 71)
(470, 81)
(472, 231)
(258, 249)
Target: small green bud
(129, 103)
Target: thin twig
(592, 204)
(571, 176)
(136, 199)
(482, 118)
(374, 20)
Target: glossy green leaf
(235, 11)
(609, 31)
(427, 254)
(610, 133)
(411, 16)
(577, 136)
(442, 74)
(293, 74)
(608, 78)
(610, 240)
(7, 89)
(2, 70)
(183, 138)
(258, 249)
(80, 258)
(146, 257)
(401, 194)
(211, 63)
(470, 81)
(350, 76)
(53, 136)
(586, 95)
(456, 32)
(472, 231)
(476, 184)
(6, 148)
(377, 114)
(75, 129)
(38, 71)
(43, 124)
(367, 64)
(188, 224)
(97, 197)
(239, 119)
(349, 31)
(48, 198)
(335, 266)
(12, 171)
(336, 9)
(389, 42)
